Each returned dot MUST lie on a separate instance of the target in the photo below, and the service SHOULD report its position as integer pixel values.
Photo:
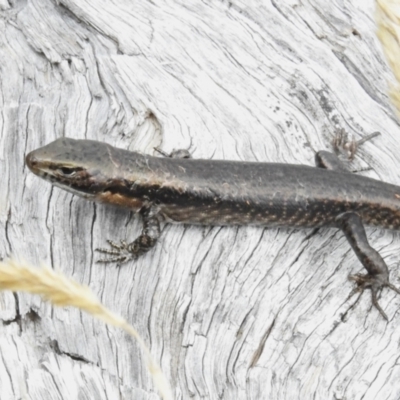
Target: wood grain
(229, 313)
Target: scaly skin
(215, 192)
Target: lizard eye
(67, 171)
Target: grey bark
(229, 313)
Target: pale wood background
(229, 313)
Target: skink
(214, 192)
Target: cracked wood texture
(229, 313)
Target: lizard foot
(375, 283)
(119, 252)
(341, 142)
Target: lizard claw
(375, 283)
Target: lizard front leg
(123, 251)
(181, 153)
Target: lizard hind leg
(341, 143)
(328, 160)
(377, 276)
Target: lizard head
(95, 171)
(83, 167)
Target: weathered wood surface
(229, 313)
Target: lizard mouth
(65, 186)
(41, 169)
(70, 189)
